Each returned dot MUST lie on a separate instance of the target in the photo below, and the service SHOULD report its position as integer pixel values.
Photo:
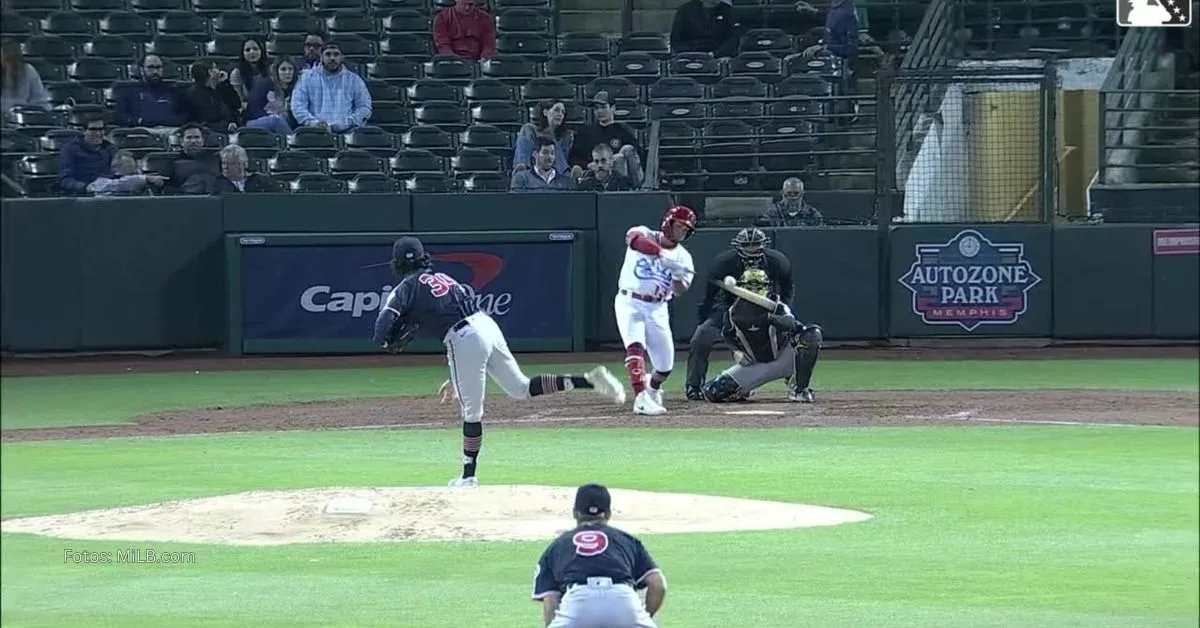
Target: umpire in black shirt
(749, 250)
(589, 576)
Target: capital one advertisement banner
(333, 292)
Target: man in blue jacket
(331, 95)
(152, 102)
(86, 159)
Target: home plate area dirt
(583, 409)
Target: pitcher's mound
(361, 515)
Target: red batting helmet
(679, 216)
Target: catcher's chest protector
(758, 337)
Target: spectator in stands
(313, 42)
(210, 100)
(601, 175)
(791, 210)
(466, 31)
(195, 167)
(617, 135)
(331, 96)
(151, 102)
(252, 67)
(548, 121)
(81, 161)
(20, 83)
(126, 180)
(543, 176)
(841, 32)
(270, 102)
(236, 178)
(704, 26)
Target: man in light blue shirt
(331, 95)
(543, 176)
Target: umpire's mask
(751, 245)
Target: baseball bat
(752, 297)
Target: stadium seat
(531, 45)
(286, 165)
(95, 9)
(449, 68)
(177, 48)
(112, 47)
(71, 92)
(739, 87)
(764, 66)
(675, 88)
(728, 146)
(383, 91)
(488, 137)
(432, 89)
(428, 183)
(48, 70)
(574, 68)
(504, 115)
(329, 8)
(784, 147)
(127, 24)
(36, 9)
(488, 89)
(683, 110)
(32, 120)
(372, 183)
(391, 116)
(511, 69)
(523, 21)
(594, 45)
(409, 21)
(631, 112)
(406, 45)
(408, 161)
(38, 174)
(803, 85)
(71, 27)
(769, 40)
(639, 67)
(238, 23)
(538, 5)
(17, 26)
(294, 22)
(351, 24)
(357, 49)
(316, 183)
(315, 141)
(349, 163)
(700, 66)
(258, 143)
(53, 140)
(184, 23)
(650, 43)
(448, 115)
(289, 45)
(78, 116)
(472, 160)
(548, 89)
(227, 45)
(383, 7)
(372, 139)
(51, 48)
(158, 163)
(393, 69)
(95, 72)
(430, 138)
(750, 111)
(486, 182)
(269, 8)
(617, 87)
(156, 8)
(213, 8)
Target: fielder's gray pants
(602, 604)
(754, 375)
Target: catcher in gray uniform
(768, 345)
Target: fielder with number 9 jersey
(590, 575)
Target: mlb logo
(1153, 13)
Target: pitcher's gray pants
(602, 604)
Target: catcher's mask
(755, 280)
(750, 244)
(408, 254)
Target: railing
(651, 168)
(990, 154)
(1138, 107)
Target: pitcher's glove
(397, 344)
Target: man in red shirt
(466, 31)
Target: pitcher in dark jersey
(437, 305)
(590, 575)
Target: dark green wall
(108, 274)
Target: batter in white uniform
(590, 575)
(656, 268)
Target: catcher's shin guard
(808, 348)
(721, 389)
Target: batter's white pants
(474, 351)
(602, 604)
(648, 324)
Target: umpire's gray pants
(752, 376)
(602, 604)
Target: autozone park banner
(333, 292)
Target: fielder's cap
(593, 499)
(603, 98)
(407, 248)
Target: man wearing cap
(616, 135)
(590, 575)
(331, 96)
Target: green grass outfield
(1016, 526)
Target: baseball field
(1047, 487)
